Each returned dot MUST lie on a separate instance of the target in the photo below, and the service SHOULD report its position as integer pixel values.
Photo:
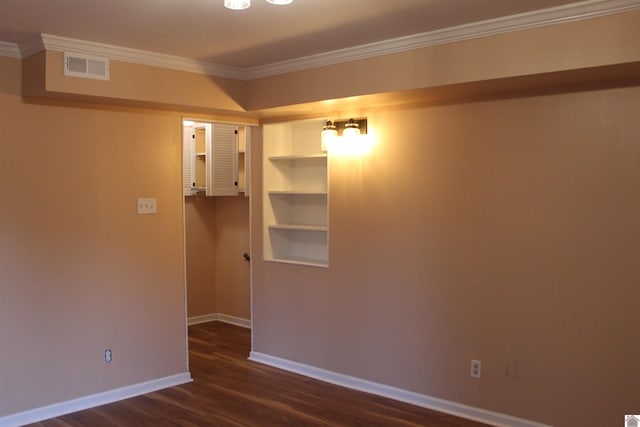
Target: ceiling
(263, 34)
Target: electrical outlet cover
(147, 206)
(476, 368)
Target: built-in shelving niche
(296, 228)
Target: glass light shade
(280, 1)
(351, 129)
(329, 133)
(237, 4)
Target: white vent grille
(89, 67)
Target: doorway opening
(216, 221)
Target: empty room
(319, 212)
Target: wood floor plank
(229, 390)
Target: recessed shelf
(296, 194)
(299, 261)
(299, 243)
(298, 157)
(321, 228)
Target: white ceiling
(264, 34)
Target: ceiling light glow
(244, 4)
(237, 4)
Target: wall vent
(89, 67)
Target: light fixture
(244, 4)
(237, 4)
(351, 128)
(346, 137)
(329, 132)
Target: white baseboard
(233, 320)
(226, 318)
(91, 401)
(422, 400)
(196, 320)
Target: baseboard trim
(91, 401)
(422, 400)
(225, 318)
(233, 320)
(196, 320)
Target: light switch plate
(147, 206)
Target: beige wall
(200, 242)
(587, 44)
(505, 231)
(576, 45)
(217, 234)
(137, 85)
(232, 271)
(79, 270)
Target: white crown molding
(441, 405)
(31, 47)
(10, 49)
(125, 54)
(539, 18)
(557, 15)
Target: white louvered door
(222, 161)
(189, 159)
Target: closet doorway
(216, 221)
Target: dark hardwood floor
(229, 390)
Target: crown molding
(125, 54)
(540, 18)
(31, 47)
(10, 49)
(557, 15)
